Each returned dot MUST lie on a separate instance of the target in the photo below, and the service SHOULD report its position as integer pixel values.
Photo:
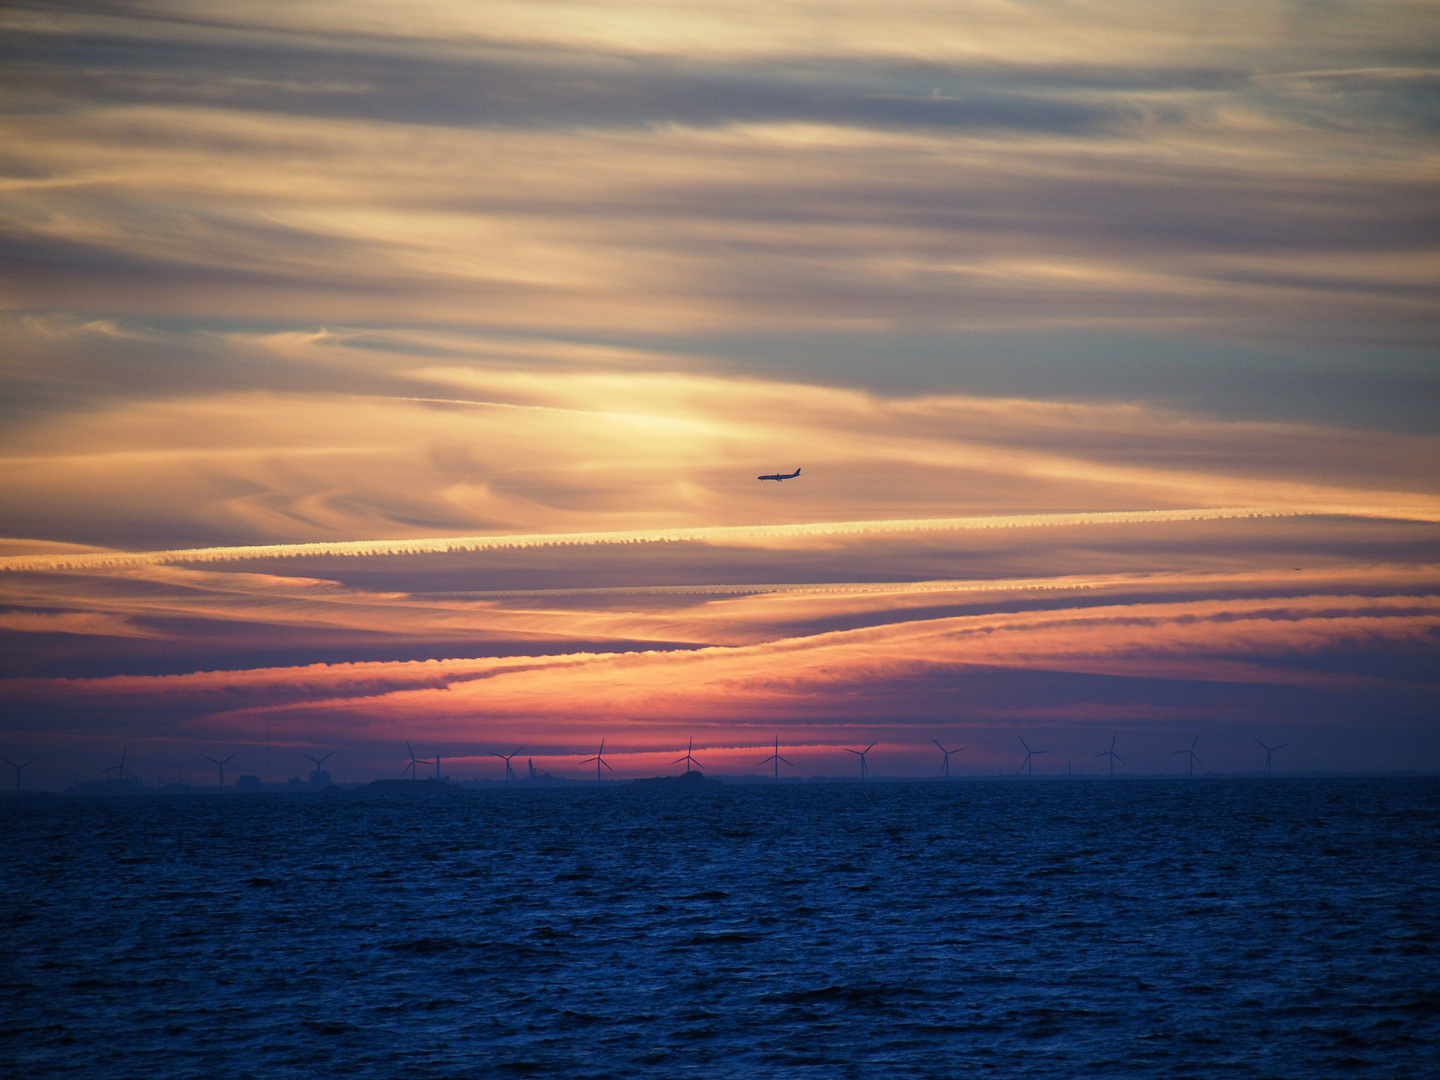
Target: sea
(1284, 927)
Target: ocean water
(1208, 928)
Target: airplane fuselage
(780, 476)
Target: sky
(378, 374)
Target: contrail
(738, 535)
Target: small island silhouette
(689, 778)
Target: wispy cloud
(642, 166)
(822, 683)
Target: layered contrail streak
(714, 534)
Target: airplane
(780, 476)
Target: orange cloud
(819, 679)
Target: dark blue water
(1131, 928)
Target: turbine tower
(691, 765)
(599, 760)
(1028, 766)
(945, 765)
(1268, 751)
(1114, 757)
(1190, 754)
(17, 768)
(509, 772)
(214, 761)
(864, 770)
(777, 759)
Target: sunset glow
(376, 375)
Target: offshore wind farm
(557, 770)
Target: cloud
(724, 534)
(101, 624)
(421, 370)
(1000, 168)
(492, 449)
(823, 679)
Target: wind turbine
(1268, 751)
(121, 769)
(690, 763)
(1027, 765)
(599, 760)
(122, 772)
(415, 763)
(509, 772)
(945, 767)
(777, 759)
(864, 771)
(214, 761)
(1114, 757)
(17, 768)
(1190, 754)
(317, 762)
